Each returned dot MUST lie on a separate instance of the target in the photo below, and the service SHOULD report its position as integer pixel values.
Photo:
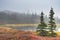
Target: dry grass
(13, 34)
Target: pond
(30, 28)
(24, 28)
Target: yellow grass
(58, 33)
(24, 25)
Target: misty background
(27, 12)
(9, 17)
(23, 6)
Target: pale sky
(31, 6)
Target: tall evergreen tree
(41, 29)
(52, 24)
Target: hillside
(9, 17)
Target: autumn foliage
(12, 34)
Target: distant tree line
(16, 18)
(8, 17)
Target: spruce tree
(41, 29)
(52, 24)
